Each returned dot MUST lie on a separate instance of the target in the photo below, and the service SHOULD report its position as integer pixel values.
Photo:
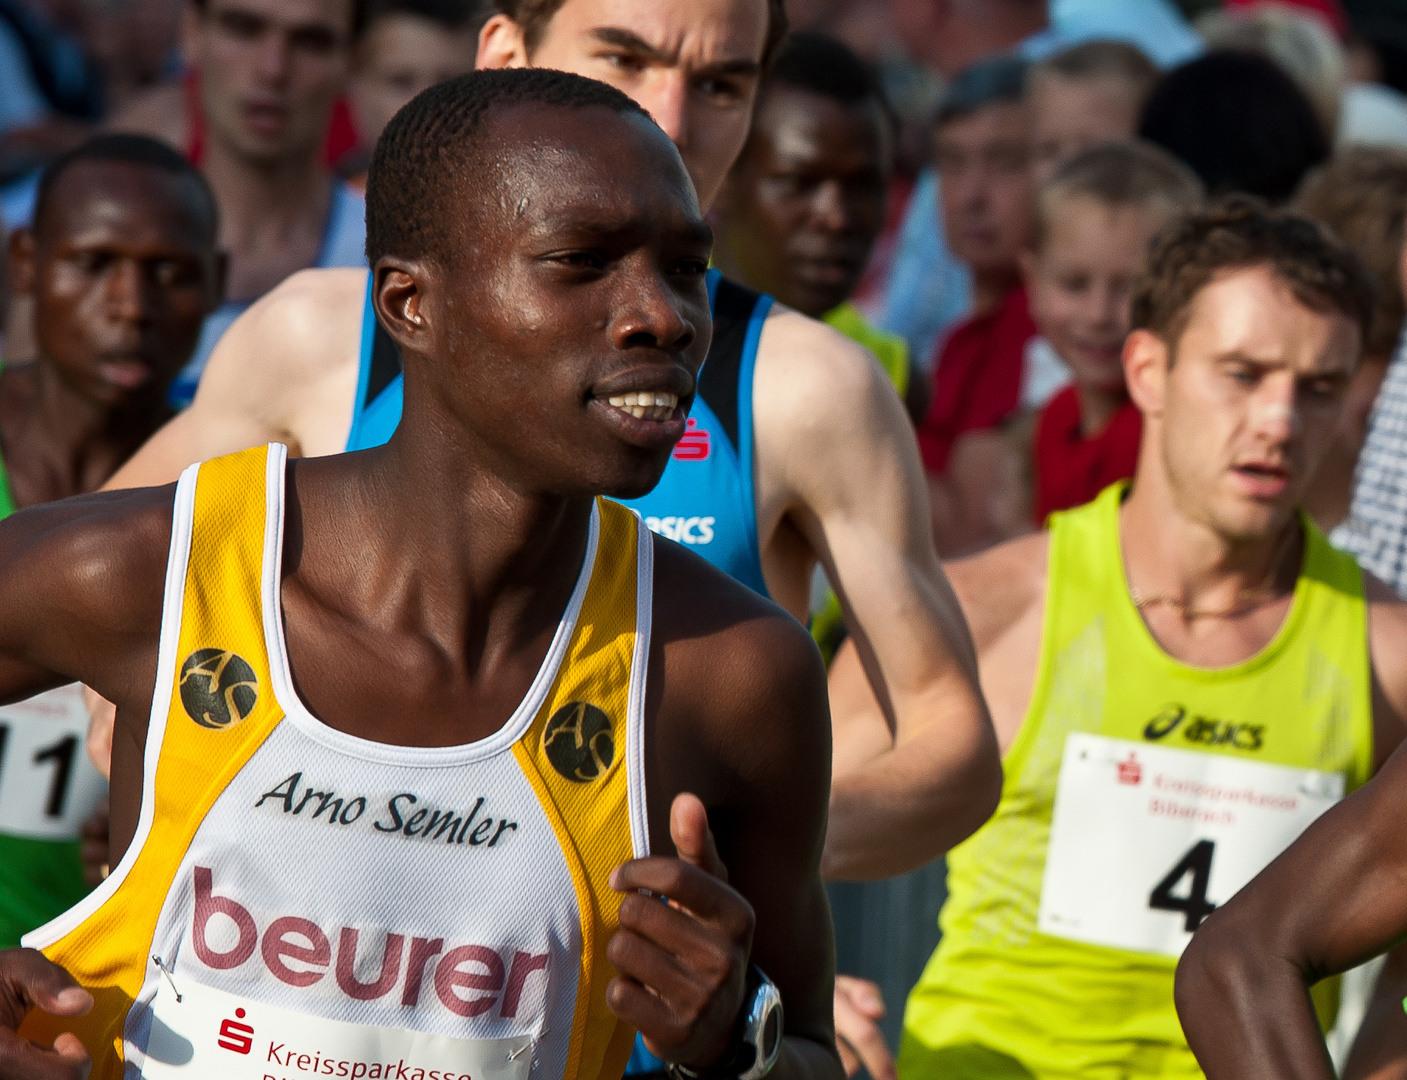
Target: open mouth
(646, 405)
(1266, 481)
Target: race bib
(48, 787)
(1146, 842)
(213, 1035)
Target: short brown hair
(534, 15)
(1361, 196)
(1121, 174)
(1240, 232)
(1102, 60)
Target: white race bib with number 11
(1146, 841)
(48, 787)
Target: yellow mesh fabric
(109, 952)
(591, 813)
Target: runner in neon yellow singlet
(122, 267)
(1181, 673)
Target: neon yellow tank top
(1139, 791)
(300, 902)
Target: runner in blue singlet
(705, 499)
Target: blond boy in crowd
(1095, 219)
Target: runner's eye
(721, 91)
(625, 62)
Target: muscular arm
(285, 371)
(741, 722)
(1336, 898)
(837, 466)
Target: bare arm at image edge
(837, 452)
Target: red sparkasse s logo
(1130, 771)
(236, 1036)
(693, 444)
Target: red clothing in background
(977, 380)
(1070, 469)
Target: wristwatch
(757, 1043)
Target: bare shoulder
(304, 321)
(84, 581)
(287, 368)
(806, 368)
(731, 658)
(1000, 586)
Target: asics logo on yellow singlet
(579, 741)
(218, 688)
(1204, 730)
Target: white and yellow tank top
(1140, 793)
(299, 902)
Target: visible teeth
(646, 405)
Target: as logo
(579, 741)
(218, 688)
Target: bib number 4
(1146, 841)
(1197, 864)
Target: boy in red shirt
(1095, 219)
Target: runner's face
(1248, 402)
(270, 71)
(122, 274)
(694, 66)
(581, 283)
(805, 204)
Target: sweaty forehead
(695, 32)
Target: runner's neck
(57, 442)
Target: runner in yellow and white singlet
(411, 743)
(1183, 673)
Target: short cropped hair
(534, 15)
(1240, 232)
(1361, 197)
(428, 148)
(1102, 60)
(1118, 175)
(130, 150)
(1000, 81)
(828, 68)
(1240, 122)
(360, 14)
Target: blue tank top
(705, 499)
